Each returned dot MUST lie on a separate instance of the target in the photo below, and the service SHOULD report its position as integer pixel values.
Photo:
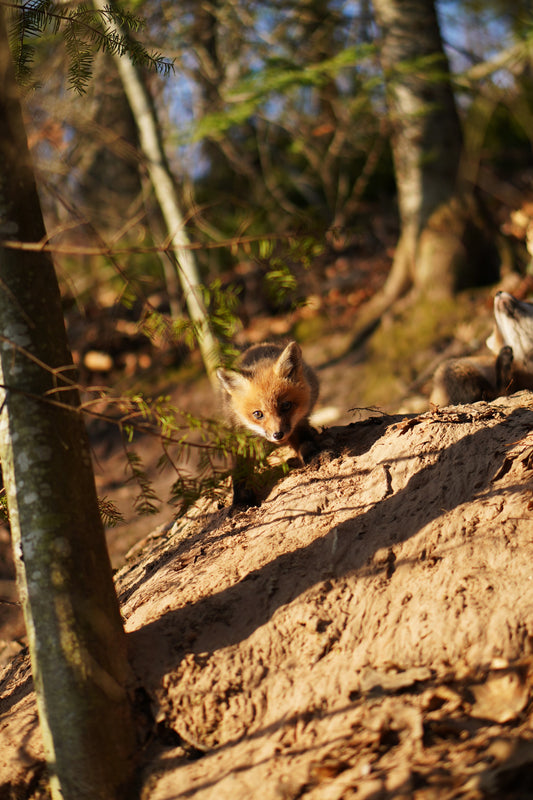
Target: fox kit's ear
(232, 381)
(289, 363)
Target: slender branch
(45, 246)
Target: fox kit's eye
(285, 405)
(257, 414)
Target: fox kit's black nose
(278, 436)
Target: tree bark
(76, 638)
(441, 225)
(167, 197)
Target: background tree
(444, 243)
(105, 151)
(163, 186)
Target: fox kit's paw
(304, 442)
(308, 449)
(504, 368)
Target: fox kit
(271, 392)
(466, 380)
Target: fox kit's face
(270, 399)
(270, 407)
(514, 327)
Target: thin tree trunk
(165, 192)
(75, 633)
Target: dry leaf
(501, 698)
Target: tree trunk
(441, 225)
(165, 192)
(75, 633)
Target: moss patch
(311, 329)
(408, 340)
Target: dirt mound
(365, 633)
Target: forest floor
(367, 632)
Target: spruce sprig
(85, 32)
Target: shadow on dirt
(348, 548)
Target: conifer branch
(85, 31)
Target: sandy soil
(367, 632)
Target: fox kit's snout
(466, 380)
(271, 392)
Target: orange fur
(271, 393)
